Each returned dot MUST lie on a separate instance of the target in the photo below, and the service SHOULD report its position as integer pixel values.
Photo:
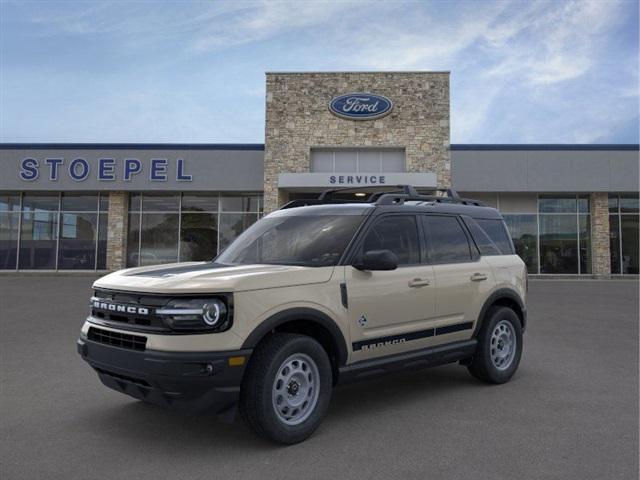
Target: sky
(193, 72)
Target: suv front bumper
(189, 381)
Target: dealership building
(571, 209)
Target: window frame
(21, 210)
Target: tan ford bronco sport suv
(317, 293)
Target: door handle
(419, 282)
(478, 277)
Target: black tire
(258, 385)
(482, 366)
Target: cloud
(521, 71)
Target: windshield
(311, 241)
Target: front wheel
(499, 346)
(287, 387)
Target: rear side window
(446, 240)
(497, 232)
(398, 233)
(484, 243)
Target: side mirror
(377, 260)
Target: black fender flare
(500, 294)
(296, 314)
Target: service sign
(360, 106)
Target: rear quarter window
(485, 245)
(498, 233)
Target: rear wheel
(499, 346)
(287, 387)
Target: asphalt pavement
(570, 412)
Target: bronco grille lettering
(114, 307)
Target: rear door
(389, 308)
(462, 278)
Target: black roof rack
(401, 194)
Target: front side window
(304, 240)
(446, 240)
(397, 233)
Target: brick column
(117, 230)
(600, 251)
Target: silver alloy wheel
(503, 345)
(296, 389)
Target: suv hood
(207, 277)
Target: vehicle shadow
(157, 427)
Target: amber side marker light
(236, 361)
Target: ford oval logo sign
(360, 106)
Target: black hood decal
(164, 272)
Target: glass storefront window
(629, 203)
(78, 235)
(79, 202)
(614, 242)
(9, 222)
(160, 202)
(565, 234)
(629, 243)
(200, 202)
(159, 238)
(38, 240)
(133, 240)
(558, 244)
(135, 202)
(239, 203)
(51, 231)
(41, 201)
(524, 232)
(624, 240)
(103, 226)
(193, 226)
(584, 236)
(557, 204)
(583, 204)
(198, 236)
(9, 202)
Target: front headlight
(211, 314)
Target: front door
(389, 308)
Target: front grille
(123, 319)
(117, 339)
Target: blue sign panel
(360, 106)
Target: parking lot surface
(571, 411)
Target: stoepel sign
(360, 106)
(106, 169)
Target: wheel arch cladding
(309, 322)
(503, 297)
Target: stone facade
(117, 230)
(298, 119)
(600, 248)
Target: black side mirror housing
(377, 260)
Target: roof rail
(406, 189)
(450, 197)
(401, 194)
